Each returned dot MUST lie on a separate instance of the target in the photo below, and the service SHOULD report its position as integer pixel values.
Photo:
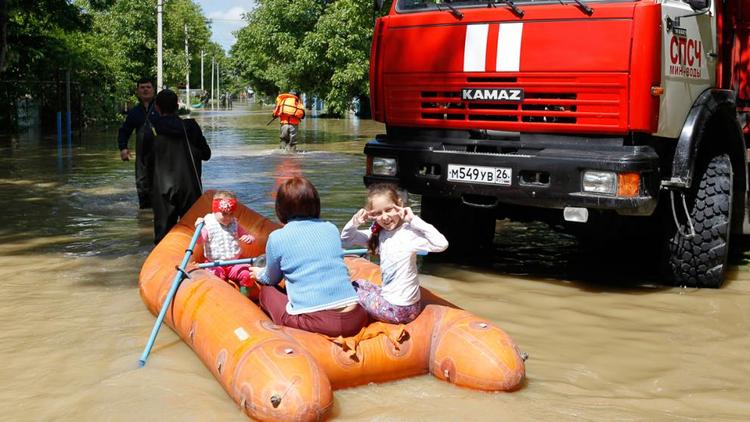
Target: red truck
(585, 111)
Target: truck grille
(577, 102)
(537, 107)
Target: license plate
(480, 174)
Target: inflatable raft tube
(280, 373)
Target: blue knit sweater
(308, 254)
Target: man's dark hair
(166, 100)
(145, 81)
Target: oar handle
(170, 295)
(222, 263)
(355, 251)
(365, 252)
(258, 260)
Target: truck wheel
(469, 230)
(701, 260)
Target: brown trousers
(329, 322)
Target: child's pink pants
(239, 273)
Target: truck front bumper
(546, 176)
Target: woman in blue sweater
(307, 253)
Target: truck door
(688, 62)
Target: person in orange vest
(290, 111)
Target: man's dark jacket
(135, 119)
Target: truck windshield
(411, 6)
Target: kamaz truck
(587, 110)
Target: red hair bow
(224, 205)
(375, 228)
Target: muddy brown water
(72, 324)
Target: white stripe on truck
(475, 48)
(508, 47)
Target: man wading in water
(140, 118)
(290, 110)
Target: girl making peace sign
(396, 235)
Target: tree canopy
(319, 47)
(106, 45)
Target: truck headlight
(382, 166)
(600, 182)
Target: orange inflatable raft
(280, 373)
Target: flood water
(72, 324)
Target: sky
(227, 18)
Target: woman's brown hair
(297, 198)
(391, 192)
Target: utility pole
(202, 54)
(159, 11)
(187, 71)
(218, 82)
(213, 92)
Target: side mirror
(699, 4)
(377, 5)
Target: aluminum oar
(251, 261)
(168, 300)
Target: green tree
(179, 14)
(129, 29)
(27, 29)
(34, 48)
(105, 44)
(319, 47)
(267, 50)
(337, 52)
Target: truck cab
(580, 108)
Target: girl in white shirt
(396, 235)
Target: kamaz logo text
(492, 94)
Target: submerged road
(604, 343)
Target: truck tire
(701, 260)
(469, 230)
